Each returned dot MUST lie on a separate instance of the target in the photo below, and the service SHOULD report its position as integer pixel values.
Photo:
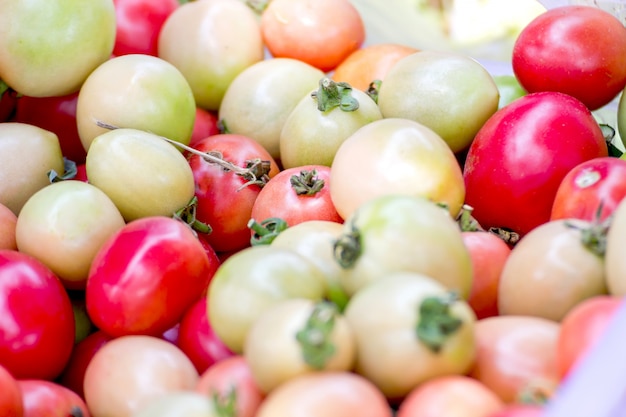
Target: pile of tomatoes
(229, 208)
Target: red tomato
(74, 373)
(138, 24)
(197, 339)
(521, 154)
(224, 200)
(8, 102)
(589, 185)
(577, 50)
(11, 401)
(297, 194)
(58, 115)
(489, 254)
(206, 124)
(47, 398)
(232, 375)
(582, 327)
(144, 278)
(37, 325)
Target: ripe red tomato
(138, 24)
(48, 398)
(591, 190)
(521, 154)
(144, 278)
(577, 50)
(206, 124)
(297, 194)
(224, 200)
(36, 318)
(11, 401)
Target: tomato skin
(223, 201)
(519, 410)
(205, 124)
(11, 401)
(36, 318)
(598, 181)
(582, 327)
(138, 23)
(47, 398)
(278, 198)
(145, 276)
(521, 154)
(577, 50)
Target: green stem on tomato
(187, 215)
(265, 232)
(373, 89)
(331, 94)
(225, 404)
(347, 248)
(314, 338)
(436, 322)
(306, 183)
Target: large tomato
(577, 50)
(521, 154)
(144, 278)
(36, 318)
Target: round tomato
(522, 153)
(36, 318)
(145, 276)
(577, 50)
(48, 398)
(591, 190)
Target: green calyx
(314, 337)
(331, 94)
(436, 322)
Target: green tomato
(509, 88)
(48, 48)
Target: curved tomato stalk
(187, 215)
(314, 338)
(436, 322)
(307, 182)
(266, 231)
(373, 89)
(331, 94)
(594, 237)
(347, 248)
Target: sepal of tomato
(144, 278)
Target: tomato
(509, 89)
(211, 42)
(489, 254)
(27, 154)
(226, 193)
(138, 24)
(516, 354)
(400, 341)
(232, 376)
(321, 121)
(259, 100)
(296, 195)
(73, 374)
(58, 115)
(295, 337)
(450, 396)
(197, 339)
(591, 190)
(11, 401)
(259, 277)
(576, 50)
(553, 268)
(130, 372)
(64, 224)
(395, 156)
(370, 63)
(522, 153)
(519, 410)
(450, 93)
(145, 276)
(397, 233)
(141, 173)
(615, 263)
(183, 403)
(328, 394)
(321, 33)
(49, 48)
(36, 318)
(581, 328)
(117, 91)
(47, 398)
(206, 124)
(8, 222)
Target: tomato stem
(347, 248)
(266, 231)
(466, 221)
(256, 171)
(594, 236)
(225, 405)
(373, 89)
(436, 322)
(187, 215)
(330, 95)
(314, 338)
(69, 171)
(306, 183)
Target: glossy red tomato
(577, 50)
(591, 190)
(11, 401)
(144, 278)
(297, 194)
(138, 24)
(225, 196)
(206, 124)
(48, 398)
(56, 114)
(521, 154)
(36, 318)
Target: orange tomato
(321, 33)
(370, 63)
